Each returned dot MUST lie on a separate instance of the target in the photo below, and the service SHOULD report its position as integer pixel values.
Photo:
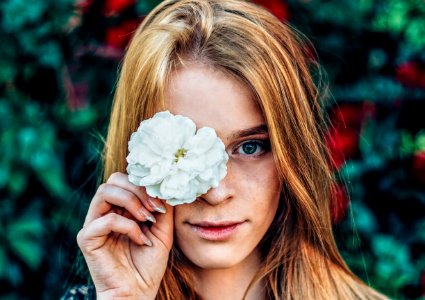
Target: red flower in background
(342, 143)
(411, 74)
(343, 135)
(114, 7)
(119, 36)
(351, 114)
(83, 5)
(276, 7)
(339, 203)
(418, 166)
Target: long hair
(300, 256)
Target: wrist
(111, 295)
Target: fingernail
(147, 241)
(147, 216)
(159, 208)
(151, 218)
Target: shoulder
(79, 292)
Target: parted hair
(275, 61)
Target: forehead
(212, 98)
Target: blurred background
(58, 68)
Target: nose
(223, 192)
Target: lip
(215, 231)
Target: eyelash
(264, 144)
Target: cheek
(258, 181)
(255, 191)
(181, 213)
(259, 191)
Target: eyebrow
(260, 129)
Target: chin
(214, 256)
(211, 262)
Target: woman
(264, 232)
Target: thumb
(163, 229)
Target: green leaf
(5, 113)
(420, 231)
(52, 176)
(385, 269)
(144, 7)
(25, 227)
(407, 144)
(18, 181)
(28, 137)
(24, 236)
(14, 274)
(392, 17)
(410, 144)
(351, 170)
(393, 257)
(373, 88)
(3, 262)
(4, 174)
(415, 32)
(82, 119)
(50, 55)
(365, 5)
(18, 13)
(29, 251)
(377, 58)
(420, 141)
(364, 219)
(7, 71)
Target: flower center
(180, 153)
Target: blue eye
(252, 148)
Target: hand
(125, 259)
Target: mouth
(216, 231)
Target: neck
(230, 283)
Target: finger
(164, 226)
(151, 203)
(109, 196)
(96, 233)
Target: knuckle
(80, 237)
(114, 177)
(134, 227)
(111, 219)
(101, 190)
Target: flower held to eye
(173, 160)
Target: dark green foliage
(374, 53)
(58, 68)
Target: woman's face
(223, 227)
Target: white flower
(173, 160)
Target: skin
(249, 194)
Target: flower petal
(173, 161)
